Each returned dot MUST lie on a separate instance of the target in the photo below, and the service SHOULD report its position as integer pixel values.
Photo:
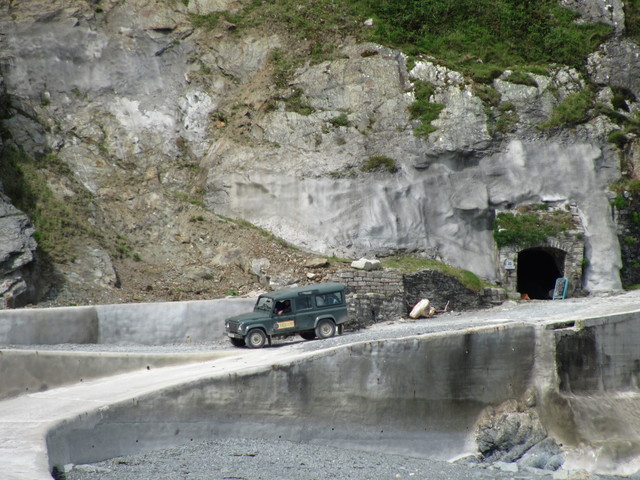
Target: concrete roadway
(26, 420)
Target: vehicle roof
(316, 288)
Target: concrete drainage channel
(429, 395)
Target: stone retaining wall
(372, 296)
(380, 295)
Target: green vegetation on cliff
(499, 32)
(530, 226)
(424, 110)
(57, 221)
(632, 18)
(481, 38)
(627, 205)
(479, 35)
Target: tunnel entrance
(538, 269)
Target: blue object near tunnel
(560, 290)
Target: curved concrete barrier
(419, 395)
(141, 323)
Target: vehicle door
(284, 318)
(305, 315)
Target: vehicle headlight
(240, 327)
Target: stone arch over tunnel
(538, 269)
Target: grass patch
(488, 94)
(521, 78)
(618, 138)
(191, 198)
(574, 110)
(423, 109)
(506, 118)
(495, 32)
(318, 21)
(282, 65)
(531, 226)
(628, 122)
(479, 72)
(293, 102)
(379, 162)
(632, 19)
(627, 202)
(627, 194)
(340, 121)
(414, 264)
(621, 98)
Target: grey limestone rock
(507, 433)
(616, 63)
(545, 455)
(17, 252)
(610, 12)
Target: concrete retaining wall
(599, 355)
(419, 395)
(143, 323)
(49, 326)
(594, 399)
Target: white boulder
(366, 264)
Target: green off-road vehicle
(311, 311)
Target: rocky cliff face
(173, 128)
(17, 247)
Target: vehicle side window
(302, 303)
(329, 299)
(282, 307)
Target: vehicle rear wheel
(308, 335)
(325, 328)
(256, 338)
(237, 342)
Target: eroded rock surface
(168, 126)
(17, 251)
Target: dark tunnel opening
(538, 270)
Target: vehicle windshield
(264, 303)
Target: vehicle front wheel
(325, 328)
(256, 338)
(237, 342)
